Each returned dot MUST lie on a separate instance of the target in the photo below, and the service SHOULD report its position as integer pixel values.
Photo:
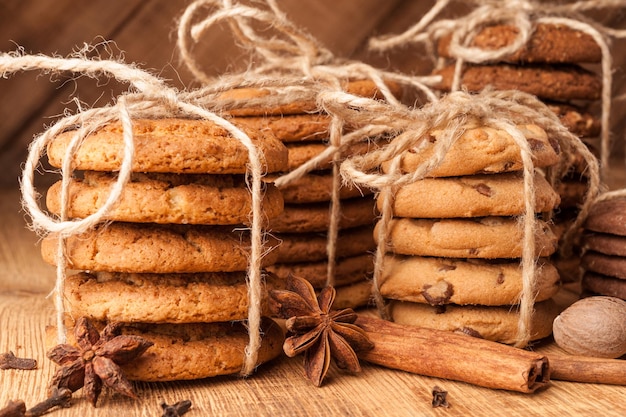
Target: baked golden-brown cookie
(162, 298)
(310, 247)
(492, 323)
(482, 150)
(167, 198)
(314, 187)
(470, 196)
(171, 145)
(289, 128)
(548, 43)
(348, 270)
(149, 248)
(315, 217)
(439, 281)
(562, 83)
(483, 237)
(192, 350)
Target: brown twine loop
(407, 129)
(292, 65)
(153, 99)
(522, 14)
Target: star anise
(96, 360)
(317, 330)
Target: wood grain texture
(277, 389)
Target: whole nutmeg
(593, 326)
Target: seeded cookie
(548, 43)
(348, 270)
(483, 237)
(166, 198)
(314, 187)
(608, 216)
(578, 121)
(439, 281)
(285, 100)
(498, 324)
(192, 350)
(162, 298)
(563, 83)
(309, 247)
(604, 285)
(605, 243)
(613, 266)
(171, 145)
(470, 196)
(482, 149)
(315, 217)
(131, 247)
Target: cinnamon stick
(588, 369)
(453, 356)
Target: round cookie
(193, 350)
(608, 216)
(604, 285)
(299, 218)
(572, 192)
(162, 298)
(130, 247)
(484, 237)
(289, 128)
(482, 150)
(314, 187)
(561, 83)
(310, 247)
(348, 270)
(548, 43)
(613, 266)
(253, 101)
(353, 296)
(439, 281)
(605, 243)
(498, 324)
(300, 153)
(170, 145)
(470, 196)
(578, 121)
(166, 198)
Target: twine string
(154, 99)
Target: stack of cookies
(604, 246)
(171, 261)
(454, 246)
(549, 66)
(302, 229)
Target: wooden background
(144, 32)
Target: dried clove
(176, 410)
(10, 361)
(439, 398)
(60, 398)
(13, 409)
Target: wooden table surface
(277, 389)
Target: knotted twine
(148, 97)
(523, 15)
(292, 66)
(408, 131)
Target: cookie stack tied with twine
(540, 49)
(159, 218)
(326, 227)
(461, 243)
(604, 246)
